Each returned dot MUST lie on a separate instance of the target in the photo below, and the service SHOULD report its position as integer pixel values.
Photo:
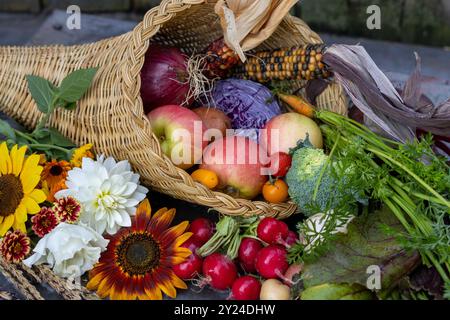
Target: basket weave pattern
(111, 114)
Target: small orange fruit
(207, 178)
(275, 192)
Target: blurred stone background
(413, 21)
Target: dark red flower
(44, 222)
(67, 209)
(15, 246)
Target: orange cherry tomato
(275, 192)
(207, 178)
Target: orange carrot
(298, 104)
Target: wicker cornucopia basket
(111, 114)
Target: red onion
(164, 77)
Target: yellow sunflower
(138, 261)
(80, 153)
(19, 176)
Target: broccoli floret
(302, 178)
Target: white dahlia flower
(108, 192)
(69, 249)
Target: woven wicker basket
(111, 114)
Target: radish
(291, 238)
(220, 271)
(273, 289)
(246, 288)
(202, 230)
(248, 251)
(271, 262)
(192, 267)
(291, 272)
(272, 231)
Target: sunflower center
(138, 253)
(11, 193)
(56, 170)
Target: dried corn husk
(248, 23)
(372, 92)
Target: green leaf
(70, 106)
(42, 136)
(41, 91)
(332, 291)
(6, 130)
(58, 139)
(348, 258)
(53, 137)
(75, 85)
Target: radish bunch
(261, 256)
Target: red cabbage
(248, 104)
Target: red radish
(164, 77)
(248, 250)
(291, 272)
(202, 230)
(246, 288)
(271, 262)
(192, 266)
(281, 162)
(220, 271)
(291, 238)
(272, 231)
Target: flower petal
(182, 239)
(104, 288)
(17, 159)
(167, 287)
(4, 154)
(19, 225)
(151, 289)
(144, 209)
(31, 205)
(161, 220)
(29, 182)
(177, 282)
(21, 213)
(169, 235)
(31, 167)
(38, 195)
(6, 224)
(5, 160)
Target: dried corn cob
(298, 63)
(220, 59)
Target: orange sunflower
(138, 261)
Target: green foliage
(41, 91)
(74, 86)
(228, 236)
(48, 98)
(335, 291)
(349, 256)
(409, 179)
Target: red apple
(180, 132)
(237, 163)
(214, 119)
(285, 131)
